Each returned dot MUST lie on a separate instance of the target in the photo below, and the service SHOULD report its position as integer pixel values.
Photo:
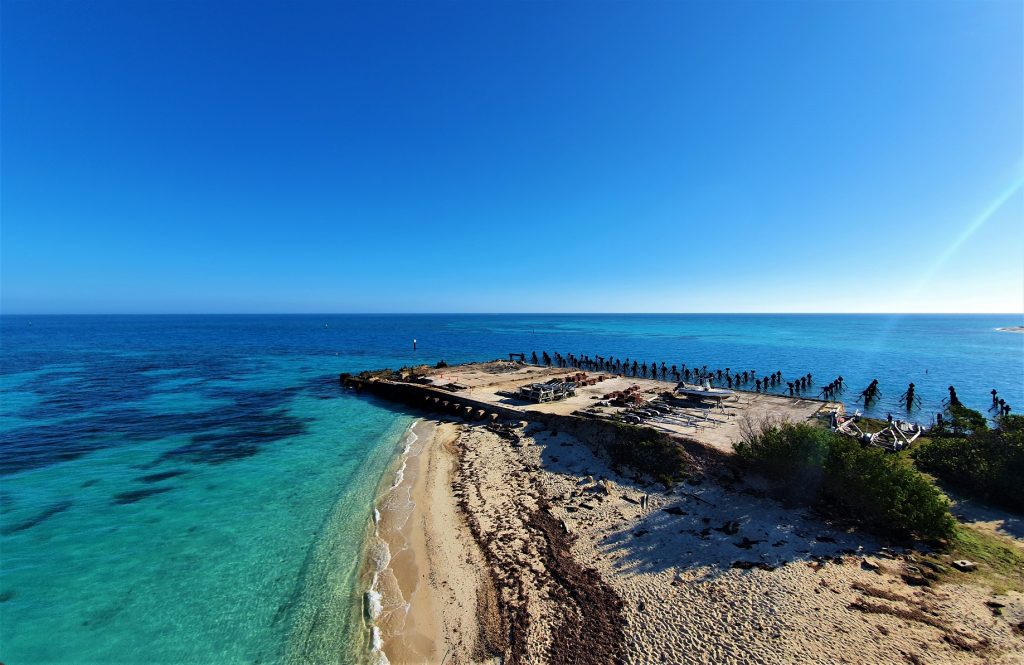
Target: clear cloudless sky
(187, 156)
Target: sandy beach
(430, 589)
(518, 543)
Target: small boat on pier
(703, 392)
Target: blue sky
(455, 156)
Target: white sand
(682, 602)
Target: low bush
(816, 467)
(796, 454)
(986, 463)
(962, 422)
(648, 452)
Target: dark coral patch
(138, 495)
(38, 518)
(162, 475)
(256, 418)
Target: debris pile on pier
(547, 392)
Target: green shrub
(986, 463)
(881, 492)
(963, 421)
(885, 491)
(796, 453)
(649, 452)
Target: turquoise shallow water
(198, 489)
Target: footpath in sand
(546, 555)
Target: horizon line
(580, 313)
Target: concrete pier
(488, 391)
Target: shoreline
(391, 508)
(424, 579)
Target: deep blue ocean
(199, 489)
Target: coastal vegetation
(815, 467)
(987, 463)
(648, 452)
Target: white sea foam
(380, 555)
(374, 607)
(410, 438)
(374, 604)
(399, 475)
(377, 649)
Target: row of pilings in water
(911, 400)
(727, 377)
(767, 383)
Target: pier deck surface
(493, 383)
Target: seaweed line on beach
(595, 632)
(591, 626)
